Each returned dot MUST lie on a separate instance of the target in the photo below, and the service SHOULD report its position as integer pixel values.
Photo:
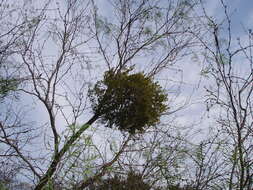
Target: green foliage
(7, 85)
(132, 182)
(177, 187)
(128, 102)
(49, 186)
(2, 186)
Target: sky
(242, 16)
(241, 12)
(191, 92)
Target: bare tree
(54, 48)
(229, 63)
(15, 132)
(154, 29)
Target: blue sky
(241, 10)
(242, 16)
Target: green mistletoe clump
(128, 102)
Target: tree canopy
(127, 101)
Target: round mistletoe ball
(128, 102)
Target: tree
(54, 53)
(13, 129)
(229, 63)
(132, 181)
(129, 102)
(222, 160)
